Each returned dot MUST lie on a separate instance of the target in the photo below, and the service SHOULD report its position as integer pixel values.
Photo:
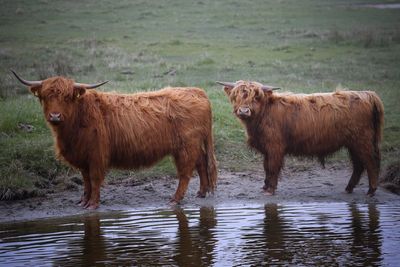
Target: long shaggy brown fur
(99, 131)
(313, 125)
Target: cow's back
(319, 124)
(145, 127)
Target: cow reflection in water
(295, 240)
(119, 239)
(195, 244)
(103, 245)
(89, 250)
(366, 235)
(270, 245)
(347, 235)
(94, 246)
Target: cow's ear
(228, 86)
(79, 91)
(267, 92)
(228, 90)
(35, 90)
(268, 89)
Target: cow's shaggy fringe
(314, 125)
(109, 130)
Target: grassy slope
(308, 47)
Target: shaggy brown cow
(95, 131)
(314, 125)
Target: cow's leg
(87, 188)
(201, 167)
(370, 159)
(372, 167)
(185, 165)
(273, 163)
(96, 178)
(373, 174)
(358, 169)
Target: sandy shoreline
(234, 188)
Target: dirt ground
(234, 188)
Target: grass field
(302, 46)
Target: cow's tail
(377, 120)
(211, 162)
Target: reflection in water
(266, 241)
(94, 247)
(312, 236)
(366, 245)
(334, 234)
(88, 250)
(195, 245)
(273, 231)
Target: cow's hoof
(269, 192)
(201, 195)
(173, 202)
(82, 203)
(371, 192)
(91, 206)
(349, 190)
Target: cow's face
(58, 97)
(246, 98)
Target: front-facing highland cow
(314, 125)
(95, 131)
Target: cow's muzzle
(54, 117)
(243, 112)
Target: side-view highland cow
(94, 131)
(313, 125)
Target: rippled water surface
(329, 234)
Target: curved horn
(269, 88)
(89, 86)
(28, 83)
(227, 84)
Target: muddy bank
(234, 188)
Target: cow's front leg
(272, 167)
(87, 188)
(185, 165)
(96, 179)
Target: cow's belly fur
(137, 159)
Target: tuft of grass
(175, 42)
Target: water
(329, 234)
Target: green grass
(302, 46)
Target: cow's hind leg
(370, 159)
(185, 165)
(273, 163)
(201, 167)
(358, 169)
(372, 167)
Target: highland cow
(312, 125)
(94, 131)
